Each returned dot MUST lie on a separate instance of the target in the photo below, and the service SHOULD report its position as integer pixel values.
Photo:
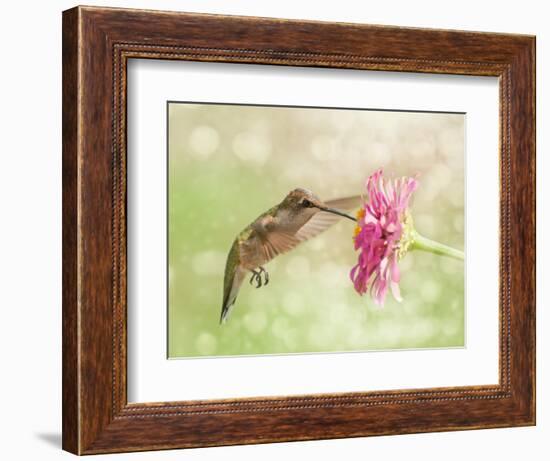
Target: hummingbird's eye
(306, 203)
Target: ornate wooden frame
(97, 43)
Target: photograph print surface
(308, 230)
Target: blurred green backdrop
(228, 164)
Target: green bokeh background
(228, 164)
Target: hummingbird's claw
(266, 275)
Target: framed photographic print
(284, 230)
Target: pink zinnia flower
(383, 234)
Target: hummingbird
(301, 216)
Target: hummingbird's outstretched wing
(234, 276)
(322, 220)
(345, 203)
(277, 241)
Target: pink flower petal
(381, 230)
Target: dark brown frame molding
(97, 43)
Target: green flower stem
(431, 246)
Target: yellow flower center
(407, 237)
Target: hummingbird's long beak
(338, 212)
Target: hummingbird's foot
(257, 277)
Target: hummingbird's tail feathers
(231, 292)
(226, 310)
